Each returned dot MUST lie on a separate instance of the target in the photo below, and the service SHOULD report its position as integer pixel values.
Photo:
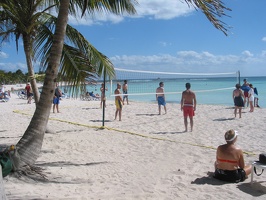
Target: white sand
(146, 156)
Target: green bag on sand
(6, 163)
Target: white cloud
(197, 62)
(264, 39)
(13, 67)
(3, 55)
(155, 9)
(247, 53)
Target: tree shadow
(173, 132)
(90, 108)
(63, 163)
(146, 114)
(224, 119)
(95, 120)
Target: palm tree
(29, 21)
(30, 144)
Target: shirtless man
(160, 97)
(188, 106)
(125, 87)
(118, 102)
(230, 165)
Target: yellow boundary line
(129, 132)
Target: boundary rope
(129, 132)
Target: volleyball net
(145, 82)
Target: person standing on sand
(57, 95)
(125, 88)
(29, 92)
(160, 97)
(118, 102)
(103, 98)
(246, 88)
(251, 97)
(230, 165)
(238, 100)
(188, 106)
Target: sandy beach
(144, 156)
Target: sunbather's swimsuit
(161, 101)
(118, 104)
(188, 110)
(230, 175)
(238, 100)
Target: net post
(104, 99)
(239, 77)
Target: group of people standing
(188, 103)
(243, 95)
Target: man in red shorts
(188, 106)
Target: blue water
(212, 91)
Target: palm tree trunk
(27, 50)
(29, 146)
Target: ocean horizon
(210, 91)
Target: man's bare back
(188, 97)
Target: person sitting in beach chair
(229, 164)
(95, 97)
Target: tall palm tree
(30, 144)
(29, 21)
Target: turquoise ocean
(211, 91)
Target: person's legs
(235, 111)
(57, 107)
(191, 122)
(116, 112)
(159, 108)
(248, 169)
(240, 112)
(185, 122)
(165, 109)
(120, 114)
(251, 106)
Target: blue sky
(167, 35)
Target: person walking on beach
(230, 165)
(251, 97)
(238, 100)
(125, 88)
(160, 97)
(29, 93)
(118, 102)
(188, 106)
(57, 95)
(103, 99)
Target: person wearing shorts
(160, 97)
(188, 106)
(118, 102)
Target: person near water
(188, 106)
(245, 87)
(125, 88)
(118, 102)
(251, 98)
(238, 100)
(160, 97)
